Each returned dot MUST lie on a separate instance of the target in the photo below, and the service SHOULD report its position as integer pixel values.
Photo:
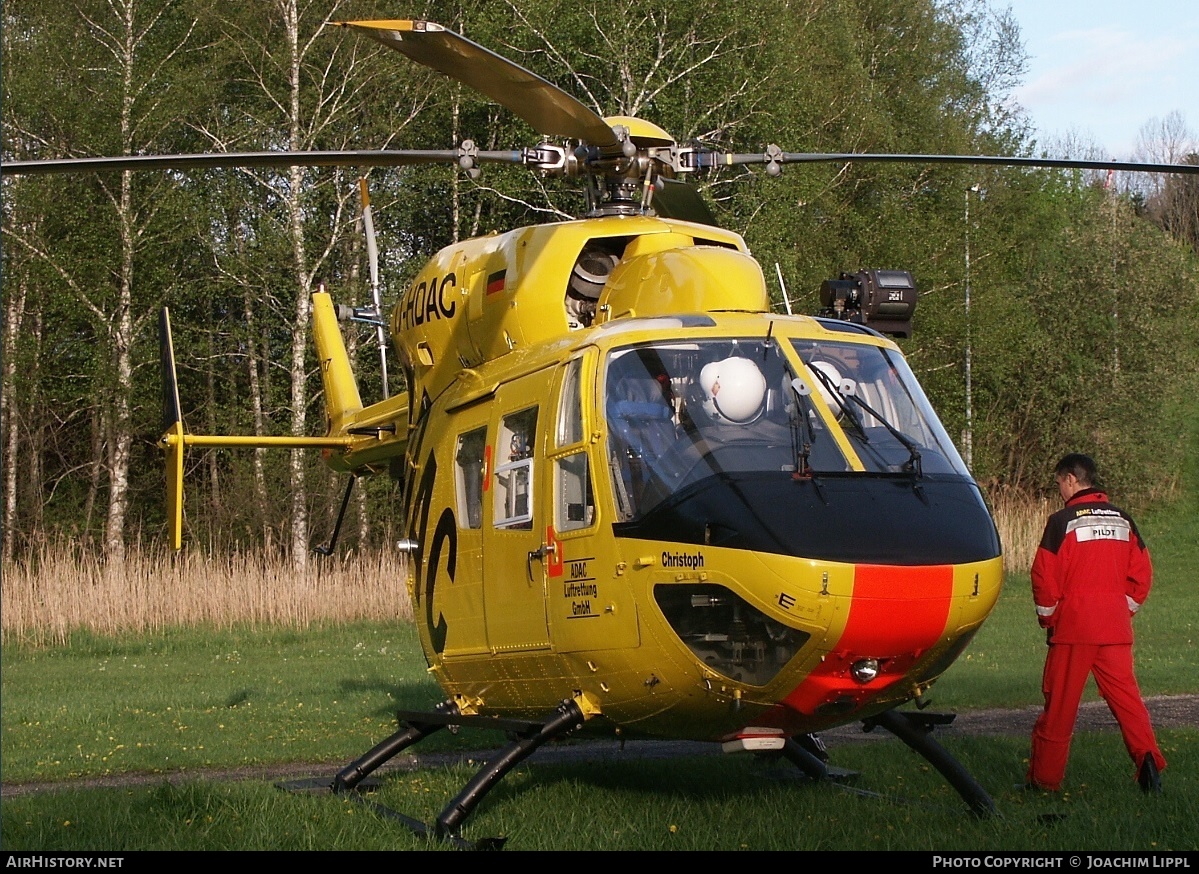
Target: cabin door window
(574, 500)
(468, 479)
(513, 485)
(514, 542)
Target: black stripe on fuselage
(859, 518)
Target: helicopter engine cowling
(481, 299)
(657, 280)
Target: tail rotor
(372, 254)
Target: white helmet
(834, 379)
(733, 390)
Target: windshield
(874, 397)
(680, 412)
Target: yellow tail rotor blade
(172, 444)
(172, 422)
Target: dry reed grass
(1020, 518)
(59, 590)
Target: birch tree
(117, 65)
(301, 85)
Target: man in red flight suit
(1090, 575)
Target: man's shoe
(1148, 777)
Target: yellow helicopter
(638, 501)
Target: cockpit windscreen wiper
(914, 464)
(834, 391)
(803, 430)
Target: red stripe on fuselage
(895, 615)
(896, 610)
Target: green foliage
(1083, 322)
(1078, 348)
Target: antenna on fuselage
(783, 288)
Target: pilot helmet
(734, 390)
(833, 378)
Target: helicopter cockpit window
(514, 470)
(574, 501)
(875, 399)
(678, 413)
(570, 407)
(468, 477)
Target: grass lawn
(185, 700)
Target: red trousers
(1066, 669)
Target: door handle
(539, 553)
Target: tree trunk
(13, 315)
(214, 477)
(99, 420)
(299, 328)
(121, 327)
(255, 405)
(121, 435)
(36, 428)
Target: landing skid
(807, 753)
(814, 763)
(526, 736)
(915, 730)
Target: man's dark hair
(1082, 466)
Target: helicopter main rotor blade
(773, 157)
(219, 160)
(549, 109)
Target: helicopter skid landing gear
(526, 736)
(814, 767)
(915, 729)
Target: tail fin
(172, 424)
(341, 389)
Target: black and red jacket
(1091, 572)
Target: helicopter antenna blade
(549, 109)
(783, 286)
(171, 408)
(372, 255)
(372, 249)
(681, 200)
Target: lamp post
(969, 398)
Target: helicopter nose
(896, 614)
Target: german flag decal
(495, 281)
